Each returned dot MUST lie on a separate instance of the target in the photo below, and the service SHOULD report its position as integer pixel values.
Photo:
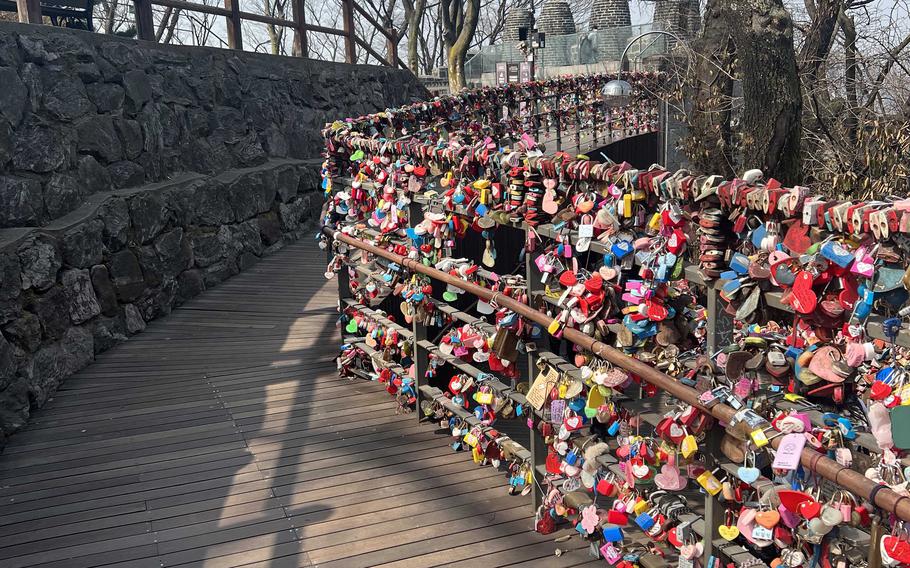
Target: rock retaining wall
(94, 277)
(133, 176)
(82, 113)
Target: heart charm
(670, 479)
(573, 423)
(809, 509)
(767, 519)
(880, 391)
(676, 433)
(748, 474)
(728, 532)
(640, 470)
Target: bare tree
(459, 22)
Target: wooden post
(234, 29)
(145, 23)
(347, 17)
(301, 43)
(392, 48)
(29, 11)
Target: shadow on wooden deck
(223, 437)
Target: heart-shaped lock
(728, 532)
(670, 478)
(767, 519)
(792, 557)
(879, 390)
(748, 474)
(809, 509)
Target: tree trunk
(772, 102)
(709, 144)
(848, 25)
(414, 31)
(460, 47)
(756, 38)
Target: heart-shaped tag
(728, 532)
(640, 470)
(573, 423)
(748, 474)
(676, 433)
(880, 390)
(767, 519)
(809, 509)
(670, 479)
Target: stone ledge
(92, 278)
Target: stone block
(107, 332)
(134, 321)
(21, 203)
(40, 259)
(41, 148)
(175, 251)
(148, 216)
(126, 174)
(52, 310)
(207, 247)
(213, 204)
(115, 214)
(137, 88)
(107, 97)
(13, 95)
(82, 246)
(92, 175)
(269, 228)
(63, 193)
(190, 284)
(96, 135)
(77, 348)
(104, 290)
(126, 275)
(25, 331)
(80, 295)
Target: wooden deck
(222, 436)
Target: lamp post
(618, 92)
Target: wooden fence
(30, 12)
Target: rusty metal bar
(881, 495)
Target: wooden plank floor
(223, 437)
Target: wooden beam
(145, 23)
(369, 49)
(29, 11)
(350, 34)
(234, 27)
(301, 42)
(192, 7)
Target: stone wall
(133, 176)
(82, 283)
(82, 113)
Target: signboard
(501, 76)
(524, 72)
(513, 72)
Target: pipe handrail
(880, 495)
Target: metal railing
(30, 12)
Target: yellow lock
(654, 223)
(688, 447)
(554, 326)
(641, 506)
(485, 398)
(470, 439)
(627, 206)
(710, 483)
(759, 438)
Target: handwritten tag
(789, 451)
(761, 533)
